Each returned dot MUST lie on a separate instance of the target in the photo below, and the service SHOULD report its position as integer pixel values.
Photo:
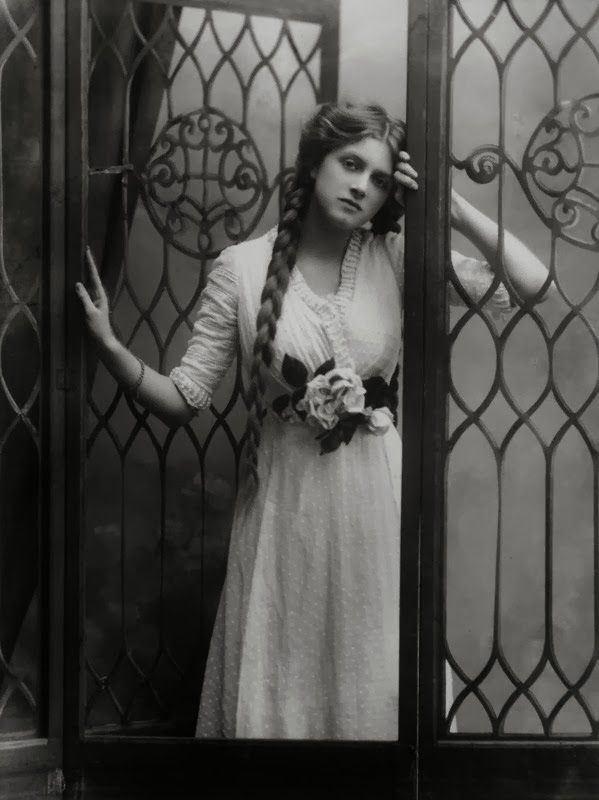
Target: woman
(306, 639)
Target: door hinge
(56, 783)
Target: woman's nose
(357, 191)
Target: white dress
(306, 638)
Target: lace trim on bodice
(332, 307)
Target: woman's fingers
(95, 275)
(405, 174)
(88, 303)
(95, 305)
(407, 169)
(91, 263)
(404, 178)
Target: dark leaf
(294, 372)
(377, 392)
(348, 434)
(280, 403)
(326, 367)
(295, 398)
(350, 425)
(330, 441)
(297, 395)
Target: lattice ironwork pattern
(194, 119)
(522, 469)
(20, 380)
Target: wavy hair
(331, 127)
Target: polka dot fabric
(306, 639)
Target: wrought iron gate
(31, 399)
(191, 158)
(512, 430)
(210, 176)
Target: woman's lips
(351, 203)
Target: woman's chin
(343, 222)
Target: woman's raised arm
(525, 272)
(154, 391)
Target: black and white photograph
(299, 399)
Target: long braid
(271, 304)
(328, 129)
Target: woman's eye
(349, 163)
(381, 183)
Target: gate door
(511, 542)
(183, 125)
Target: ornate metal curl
(204, 184)
(483, 164)
(556, 170)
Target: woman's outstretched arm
(525, 272)
(156, 392)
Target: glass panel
(194, 125)
(522, 542)
(20, 313)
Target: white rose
(348, 390)
(379, 421)
(319, 403)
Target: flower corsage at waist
(337, 401)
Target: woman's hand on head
(96, 310)
(405, 176)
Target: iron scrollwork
(556, 170)
(204, 184)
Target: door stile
(412, 399)
(54, 369)
(76, 214)
(435, 371)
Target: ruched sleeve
(213, 342)
(475, 277)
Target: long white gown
(306, 639)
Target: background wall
(373, 50)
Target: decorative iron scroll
(553, 170)
(177, 194)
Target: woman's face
(353, 182)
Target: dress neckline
(332, 308)
(347, 279)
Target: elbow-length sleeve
(475, 278)
(213, 341)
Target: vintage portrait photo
(299, 399)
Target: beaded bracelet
(135, 388)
